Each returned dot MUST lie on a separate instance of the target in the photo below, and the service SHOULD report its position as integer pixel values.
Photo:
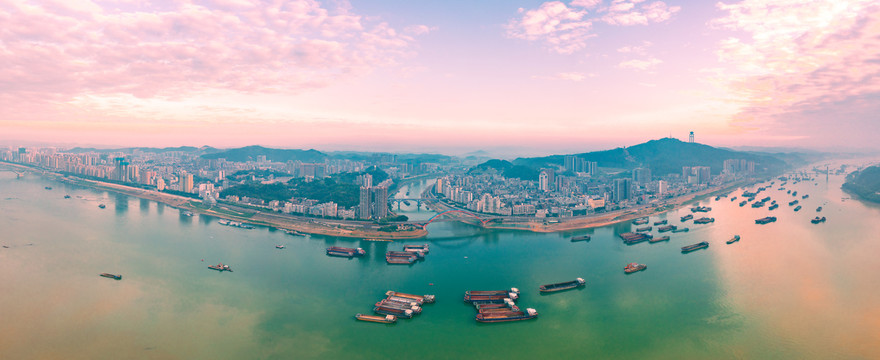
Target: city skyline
(547, 77)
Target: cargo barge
(417, 298)
(773, 207)
(641, 221)
(681, 230)
(419, 248)
(704, 220)
(734, 239)
(631, 238)
(111, 276)
(634, 267)
(818, 220)
(508, 316)
(687, 217)
(220, 267)
(492, 292)
(765, 220)
(659, 239)
(345, 252)
(662, 222)
(387, 319)
(701, 209)
(580, 238)
(793, 203)
(418, 254)
(400, 305)
(562, 286)
(742, 203)
(643, 229)
(667, 228)
(490, 299)
(697, 246)
(798, 208)
(400, 259)
(401, 313)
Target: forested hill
(865, 183)
(663, 156)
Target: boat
(491, 298)
(687, 217)
(376, 239)
(385, 310)
(400, 304)
(818, 209)
(111, 276)
(494, 292)
(641, 221)
(667, 228)
(345, 252)
(805, 196)
(662, 222)
(646, 228)
(563, 285)
(220, 267)
(279, 246)
(47, 188)
(732, 199)
(794, 193)
(187, 213)
(633, 267)
(757, 204)
(765, 220)
(424, 298)
(681, 230)
(417, 254)
(67, 196)
(508, 316)
(704, 220)
(734, 239)
(387, 319)
(792, 203)
(773, 207)
(697, 246)
(580, 238)
(798, 208)
(420, 248)
(293, 232)
(634, 238)
(742, 203)
(223, 222)
(701, 209)
(102, 206)
(818, 220)
(659, 239)
(400, 259)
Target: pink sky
(380, 75)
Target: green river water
(787, 290)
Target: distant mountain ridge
(505, 168)
(865, 183)
(663, 156)
(187, 149)
(250, 153)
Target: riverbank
(303, 225)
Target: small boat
(659, 239)
(765, 220)
(818, 209)
(662, 222)
(818, 220)
(508, 316)
(293, 232)
(385, 310)
(400, 260)
(387, 319)
(798, 208)
(279, 246)
(102, 206)
(418, 248)
(805, 196)
(220, 267)
(642, 229)
(641, 221)
(111, 276)
(733, 240)
(687, 217)
(345, 252)
(704, 220)
(580, 238)
(633, 267)
(667, 228)
(67, 196)
(424, 298)
(697, 246)
(773, 207)
(681, 230)
(48, 188)
(563, 285)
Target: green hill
(250, 153)
(505, 168)
(864, 183)
(663, 156)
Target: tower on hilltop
(691, 138)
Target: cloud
(62, 49)
(640, 64)
(567, 76)
(419, 29)
(636, 49)
(796, 57)
(565, 29)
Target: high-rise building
(593, 168)
(364, 207)
(380, 200)
(543, 181)
(187, 183)
(662, 187)
(622, 189)
(642, 175)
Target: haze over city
(388, 75)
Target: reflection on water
(789, 289)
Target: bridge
(17, 174)
(406, 201)
(461, 216)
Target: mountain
(187, 149)
(505, 168)
(276, 155)
(663, 156)
(864, 183)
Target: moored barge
(765, 220)
(641, 221)
(734, 239)
(220, 267)
(659, 239)
(704, 220)
(508, 316)
(667, 228)
(697, 246)
(111, 276)
(420, 248)
(345, 252)
(818, 220)
(580, 238)
(563, 285)
(646, 228)
(687, 217)
(423, 298)
(662, 222)
(387, 319)
(385, 310)
(681, 230)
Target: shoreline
(340, 228)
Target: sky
(441, 76)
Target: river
(787, 290)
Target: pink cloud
(66, 48)
(640, 64)
(565, 29)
